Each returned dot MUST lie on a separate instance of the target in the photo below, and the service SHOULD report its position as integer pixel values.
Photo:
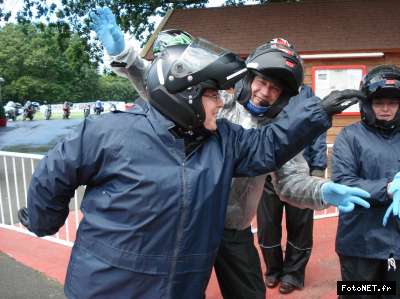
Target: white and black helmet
(178, 77)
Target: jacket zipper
(179, 231)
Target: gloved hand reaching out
(344, 197)
(394, 191)
(24, 217)
(337, 101)
(107, 30)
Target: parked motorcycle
(66, 110)
(86, 111)
(113, 108)
(98, 107)
(11, 113)
(28, 113)
(12, 110)
(98, 110)
(47, 112)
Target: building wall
(340, 121)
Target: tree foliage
(56, 62)
(132, 15)
(43, 64)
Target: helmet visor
(204, 61)
(197, 56)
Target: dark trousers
(237, 266)
(363, 269)
(299, 226)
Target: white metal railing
(16, 170)
(332, 211)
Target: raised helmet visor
(199, 60)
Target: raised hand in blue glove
(394, 191)
(106, 28)
(344, 197)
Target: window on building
(338, 77)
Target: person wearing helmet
(249, 282)
(156, 177)
(288, 270)
(367, 155)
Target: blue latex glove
(394, 208)
(344, 197)
(107, 30)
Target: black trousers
(237, 266)
(299, 226)
(363, 269)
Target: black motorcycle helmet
(381, 82)
(276, 60)
(178, 77)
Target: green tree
(113, 88)
(132, 15)
(43, 63)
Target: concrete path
(19, 281)
(51, 259)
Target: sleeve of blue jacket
(315, 153)
(263, 150)
(345, 169)
(54, 182)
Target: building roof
(313, 26)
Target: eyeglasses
(215, 97)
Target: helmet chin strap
(386, 125)
(267, 111)
(256, 110)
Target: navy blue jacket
(148, 209)
(365, 158)
(315, 153)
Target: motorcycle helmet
(178, 77)
(170, 37)
(277, 61)
(381, 82)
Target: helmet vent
(390, 82)
(290, 64)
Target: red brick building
(337, 39)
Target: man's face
(211, 103)
(385, 109)
(264, 92)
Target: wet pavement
(36, 136)
(19, 281)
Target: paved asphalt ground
(20, 282)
